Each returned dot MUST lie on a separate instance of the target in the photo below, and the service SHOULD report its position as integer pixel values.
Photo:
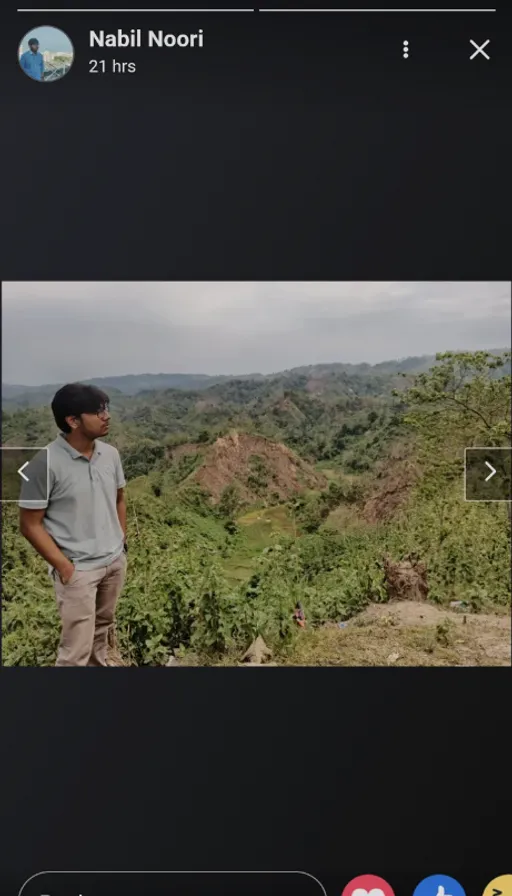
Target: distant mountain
(129, 384)
(10, 390)
(16, 395)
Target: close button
(480, 49)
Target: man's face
(92, 426)
(34, 46)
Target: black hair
(33, 40)
(76, 399)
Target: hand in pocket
(66, 574)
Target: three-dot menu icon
(406, 49)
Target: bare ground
(407, 633)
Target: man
(73, 512)
(32, 61)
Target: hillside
(257, 468)
(339, 490)
(315, 416)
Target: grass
(258, 526)
(331, 471)
(346, 518)
(260, 522)
(238, 570)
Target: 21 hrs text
(101, 66)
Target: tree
(462, 400)
(229, 502)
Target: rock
(393, 658)
(257, 653)
(172, 661)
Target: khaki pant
(87, 605)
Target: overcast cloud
(57, 332)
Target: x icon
(479, 49)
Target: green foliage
(202, 578)
(462, 401)
(230, 502)
(312, 510)
(259, 475)
(185, 466)
(197, 499)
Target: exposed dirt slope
(256, 466)
(392, 485)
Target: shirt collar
(63, 442)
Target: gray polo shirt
(79, 496)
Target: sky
(49, 39)
(61, 332)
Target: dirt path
(409, 634)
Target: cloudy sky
(57, 332)
(49, 39)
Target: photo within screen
(256, 474)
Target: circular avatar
(45, 54)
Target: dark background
(293, 146)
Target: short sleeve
(36, 488)
(120, 478)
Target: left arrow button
(22, 474)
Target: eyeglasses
(104, 413)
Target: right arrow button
(488, 474)
(491, 468)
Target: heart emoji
(368, 885)
(375, 892)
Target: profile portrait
(46, 54)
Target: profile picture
(46, 54)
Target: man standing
(32, 61)
(73, 512)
